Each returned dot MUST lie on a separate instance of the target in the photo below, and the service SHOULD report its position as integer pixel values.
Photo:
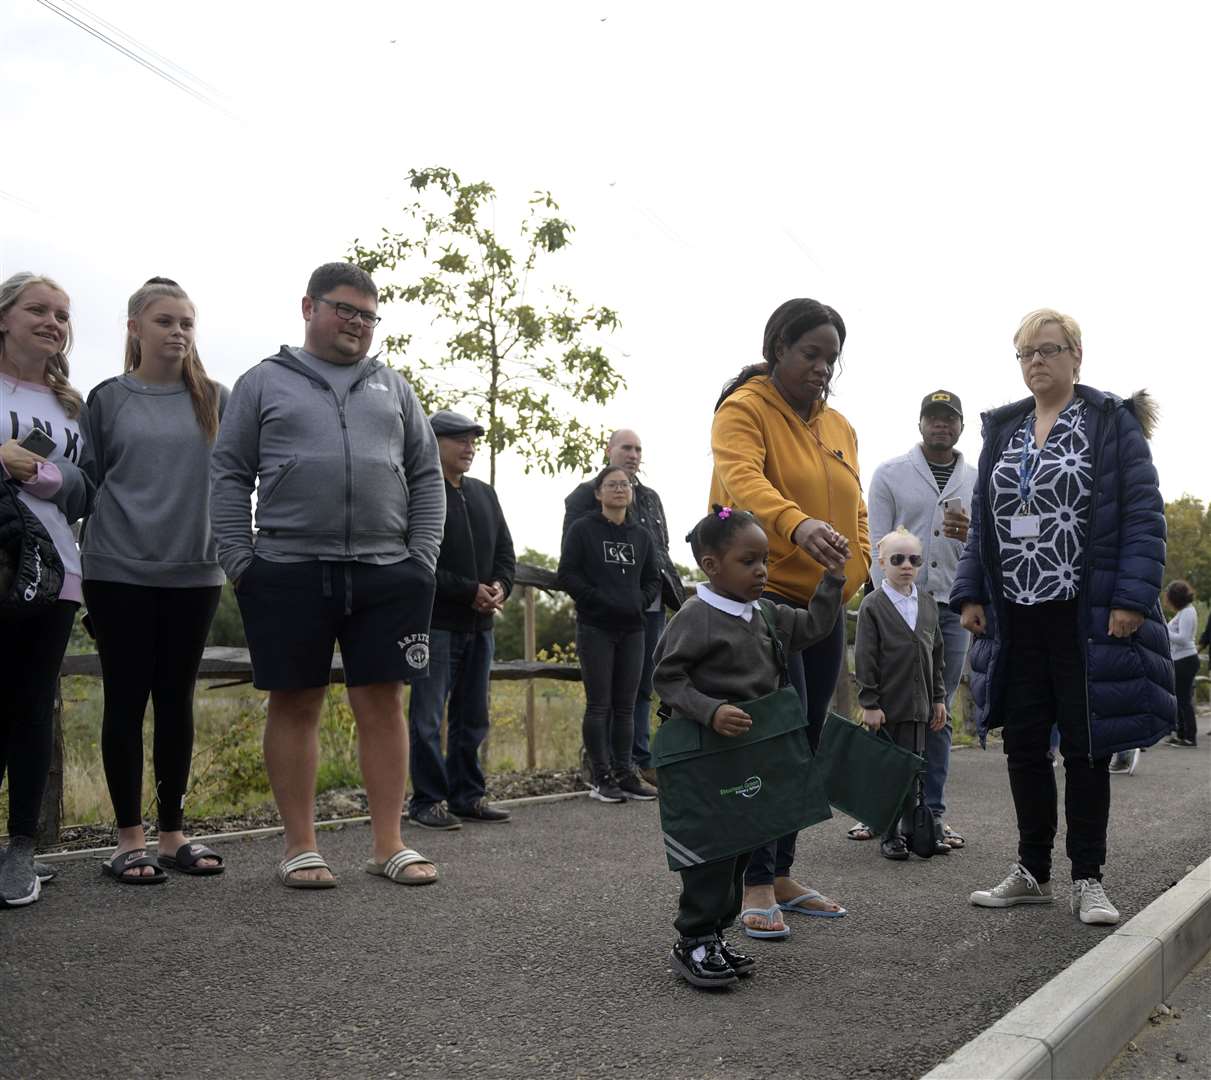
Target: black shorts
(294, 613)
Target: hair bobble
(723, 513)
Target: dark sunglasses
(898, 559)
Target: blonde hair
(1035, 321)
(202, 391)
(898, 533)
(57, 374)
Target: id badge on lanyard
(1025, 524)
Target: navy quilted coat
(1131, 700)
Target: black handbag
(31, 570)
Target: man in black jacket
(474, 577)
(626, 451)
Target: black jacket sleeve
(572, 574)
(649, 576)
(504, 561)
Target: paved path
(541, 953)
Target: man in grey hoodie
(349, 516)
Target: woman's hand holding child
(730, 720)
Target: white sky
(933, 171)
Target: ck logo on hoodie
(622, 554)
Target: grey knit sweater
(708, 658)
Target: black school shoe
(741, 963)
(480, 810)
(700, 962)
(895, 849)
(434, 816)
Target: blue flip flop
(765, 913)
(811, 894)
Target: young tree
(522, 360)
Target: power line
(154, 68)
(146, 49)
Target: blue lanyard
(1029, 464)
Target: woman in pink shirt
(35, 393)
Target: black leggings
(611, 663)
(1184, 671)
(33, 650)
(150, 641)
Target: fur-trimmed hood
(1142, 405)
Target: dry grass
(228, 772)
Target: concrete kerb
(1079, 1021)
(271, 830)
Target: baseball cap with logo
(942, 399)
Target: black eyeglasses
(348, 312)
(1045, 351)
(898, 559)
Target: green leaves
(525, 357)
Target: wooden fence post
(52, 798)
(530, 634)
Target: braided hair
(713, 535)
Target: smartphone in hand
(38, 442)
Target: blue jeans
(653, 627)
(813, 674)
(937, 743)
(460, 667)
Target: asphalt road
(542, 952)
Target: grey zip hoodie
(336, 480)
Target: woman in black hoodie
(608, 567)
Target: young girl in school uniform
(714, 652)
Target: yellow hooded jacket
(784, 469)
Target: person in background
(474, 578)
(782, 452)
(1185, 660)
(36, 395)
(1060, 583)
(151, 578)
(625, 450)
(608, 567)
(349, 513)
(928, 492)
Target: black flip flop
(186, 859)
(129, 860)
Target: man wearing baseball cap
(474, 577)
(928, 491)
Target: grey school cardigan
(709, 658)
(899, 670)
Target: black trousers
(711, 896)
(611, 663)
(1184, 671)
(1046, 685)
(32, 650)
(150, 642)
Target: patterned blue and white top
(1047, 566)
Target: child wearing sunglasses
(898, 654)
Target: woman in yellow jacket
(783, 454)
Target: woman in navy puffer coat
(1060, 582)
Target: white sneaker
(1090, 902)
(1019, 887)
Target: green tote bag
(721, 796)
(865, 773)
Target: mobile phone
(38, 442)
(953, 505)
